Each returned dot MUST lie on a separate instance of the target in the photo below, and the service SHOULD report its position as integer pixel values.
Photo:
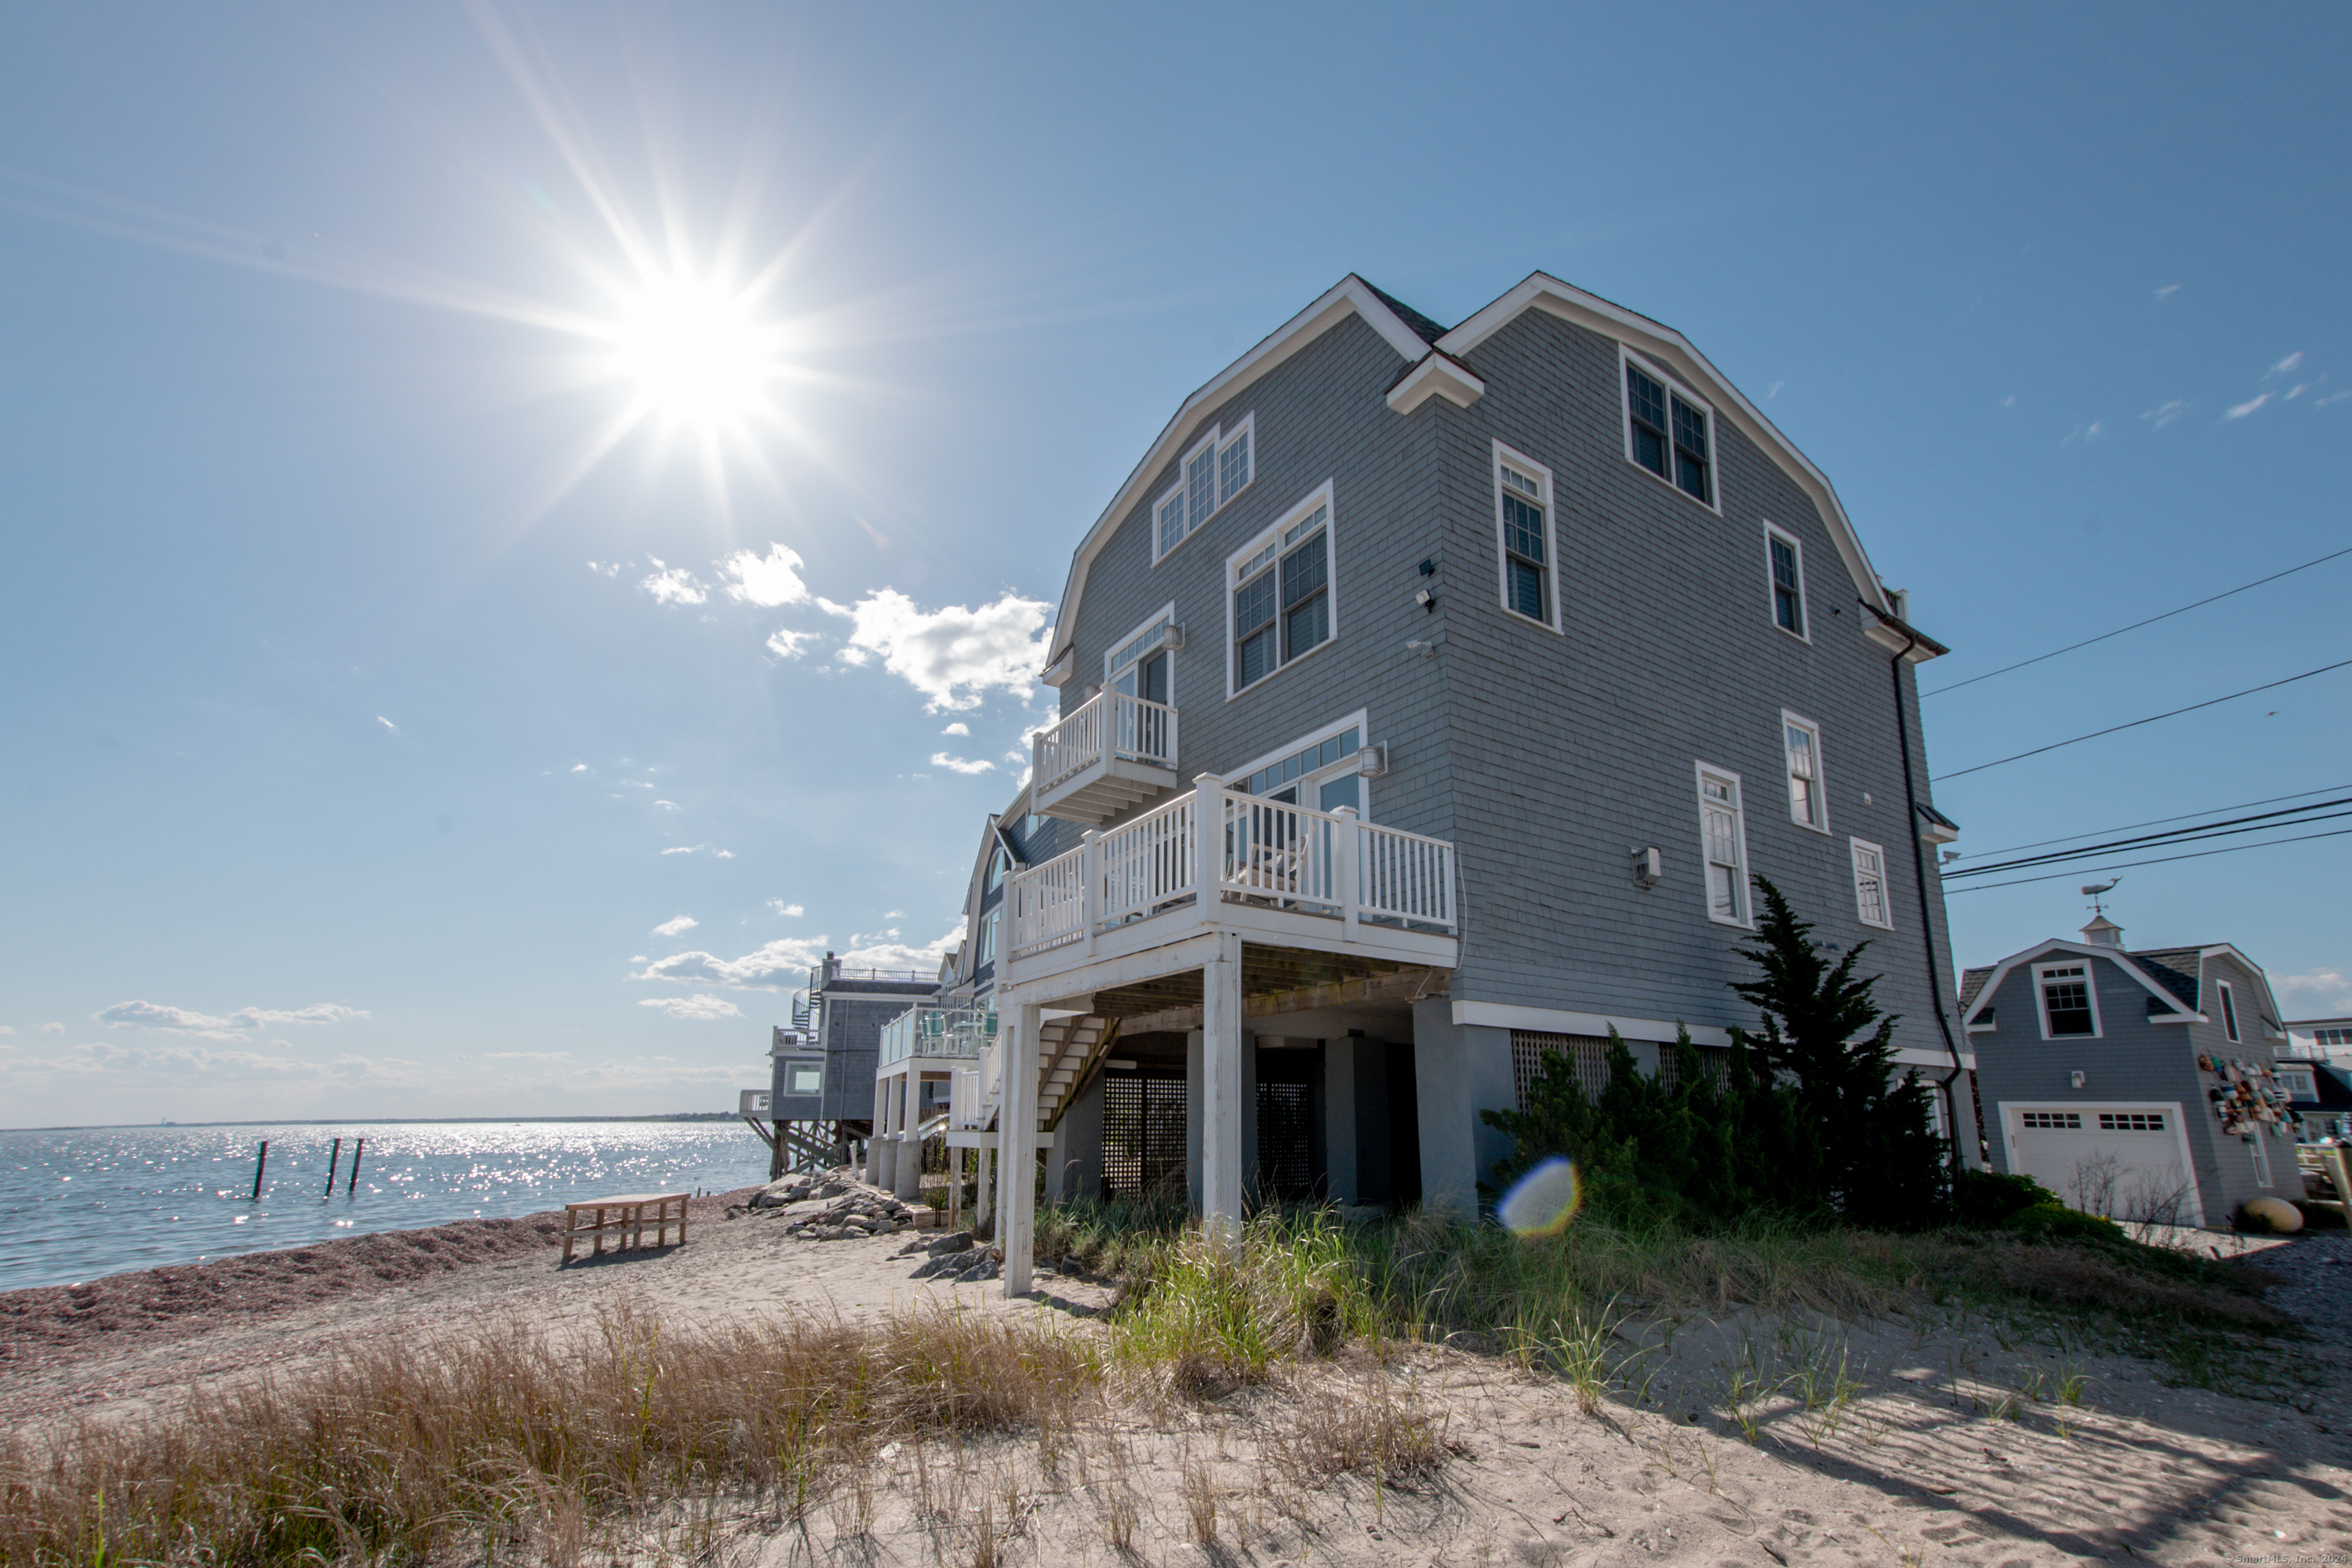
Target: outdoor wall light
(1649, 867)
(1425, 599)
(2078, 1079)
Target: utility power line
(2136, 625)
(2151, 719)
(2128, 864)
(2177, 835)
(2154, 821)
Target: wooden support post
(1220, 1094)
(985, 1188)
(335, 1163)
(352, 1185)
(1016, 1140)
(260, 1163)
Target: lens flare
(1542, 1202)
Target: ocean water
(97, 1201)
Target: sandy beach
(1957, 1444)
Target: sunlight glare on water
(95, 1201)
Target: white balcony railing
(1262, 852)
(927, 1029)
(1108, 725)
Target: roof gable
(2058, 946)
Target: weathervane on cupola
(2102, 931)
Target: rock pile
(856, 1214)
(956, 1258)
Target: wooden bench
(629, 1217)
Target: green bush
(1988, 1198)
(1807, 1119)
(2054, 1220)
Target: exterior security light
(1649, 867)
(2077, 1079)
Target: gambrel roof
(1421, 343)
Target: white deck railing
(1108, 725)
(1262, 852)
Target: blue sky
(381, 701)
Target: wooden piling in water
(260, 1163)
(335, 1160)
(352, 1185)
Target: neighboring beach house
(1430, 697)
(2138, 1084)
(2320, 1039)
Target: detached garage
(2125, 1160)
(2105, 1074)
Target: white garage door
(2125, 1162)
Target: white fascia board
(1351, 296)
(1542, 291)
(1058, 673)
(1556, 1021)
(1437, 376)
(2250, 967)
(2063, 948)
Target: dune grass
(513, 1443)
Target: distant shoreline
(375, 1121)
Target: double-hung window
(2229, 1010)
(1523, 501)
(1278, 592)
(1216, 470)
(1785, 561)
(2069, 1006)
(1669, 432)
(1870, 900)
(1809, 801)
(1723, 840)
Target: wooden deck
(624, 1219)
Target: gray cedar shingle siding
(1545, 757)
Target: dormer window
(1669, 432)
(2069, 1008)
(1217, 469)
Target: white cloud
(2326, 992)
(387, 723)
(53, 1028)
(2297, 390)
(963, 764)
(2164, 413)
(2243, 409)
(2288, 363)
(781, 908)
(785, 961)
(605, 568)
(787, 643)
(698, 848)
(2169, 290)
(524, 1055)
(958, 728)
(226, 1026)
(675, 585)
(766, 580)
(5, 1029)
(953, 655)
(672, 927)
(2331, 397)
(696, 1006)
(580, 767)
(667, 804)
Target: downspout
(1926, 924)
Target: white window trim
(1321, 494)
(2090, 968)
(1701, 773)
(1673, 384)
(2260, 1150)
(2229, 1010)
(1773, 531)
(1166, 612)
(1854, 846)
(1821, 770)
(1217, 439)
(1552, 537)
(1360, 720)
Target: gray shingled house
(2137, 1084)
(1430, 697)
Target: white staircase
(1068, 1050)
